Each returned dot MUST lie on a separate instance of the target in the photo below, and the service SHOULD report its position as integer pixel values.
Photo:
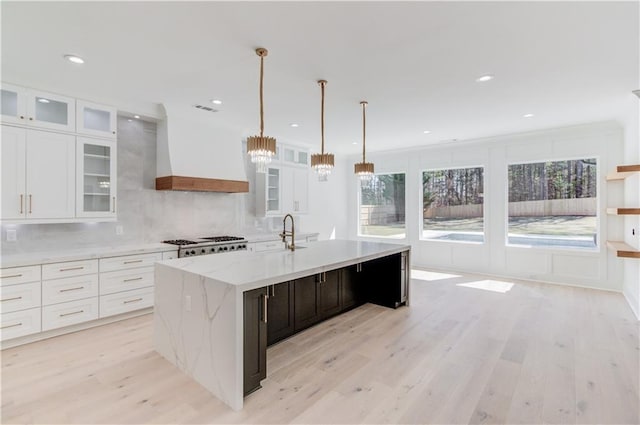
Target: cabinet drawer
(125, 280)
(268, 246)
(20, 297)
(69, 313)
(69, 289)
(68, 269)
(123, 302)
(19, 323)
(14, 275)
(129, 261)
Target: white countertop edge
(260, 283)
(61, 256)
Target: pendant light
(364, 169)
(261, 148)
(322, 162)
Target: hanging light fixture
(364, 169)
(261, 148)
(322, 162)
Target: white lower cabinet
(129, 261)
(69, 289)
(69, 268)
(123, 302)
(14, 275)
(69, 313)
(20, 297)
(20, 323)
(125, 280)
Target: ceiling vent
(206, 108)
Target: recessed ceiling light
(527, 115)
(484, 78)
(43, 100)
(216, 102)
(136, 117)
(427, 131)
(130, 120)
(294, 125)
(354, 143)
(74, 59)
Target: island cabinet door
(306, 302)
(351, 286)
(330, 296)
(281, 312)
(382, 280)
(255, 338)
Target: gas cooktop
(208, 245)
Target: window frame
(421, 172)
(359, 203)
(573, 250)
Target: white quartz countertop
(58, 256)
(250, 270)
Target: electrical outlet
(119, 230)
(12, 235)
(187, 302)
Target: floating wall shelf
(623, 250)
(623, 211)
(623, 171)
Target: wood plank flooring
(460, 354)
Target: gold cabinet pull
(132, 279)
(132, 301)
(72, 313)
(13, 275)
(265, 307)
(11, 299)
(114, 204)
(72, 268)
(11, 326)
(71, 289)
(30, 203)
(133, 261)
(21, 203)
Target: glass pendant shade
(261, 148)
(322, 162)
(364, 170)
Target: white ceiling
(415, 62)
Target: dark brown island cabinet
(278, 311)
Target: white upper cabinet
(295, 156)
(13, 107)
(13, 146)
(51, 111)
(95, 120)
(96, 178)
(38, 170)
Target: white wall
(631, 286)
(582, 268)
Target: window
(382, 206)
(452, 204)
(553, 204)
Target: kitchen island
(215, 314)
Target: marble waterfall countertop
(198, 320)
(249, 270)
(62, 255)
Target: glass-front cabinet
(96, 178)
(13, 107)
(273, 190)
(95, 120)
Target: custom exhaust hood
(195, 154)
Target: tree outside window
(382, 206)
(453, 204)
(553, 204)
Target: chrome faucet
(292, 233)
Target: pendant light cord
(261, 106)
(364, 130)
(322, 83)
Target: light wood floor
(534, 354)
